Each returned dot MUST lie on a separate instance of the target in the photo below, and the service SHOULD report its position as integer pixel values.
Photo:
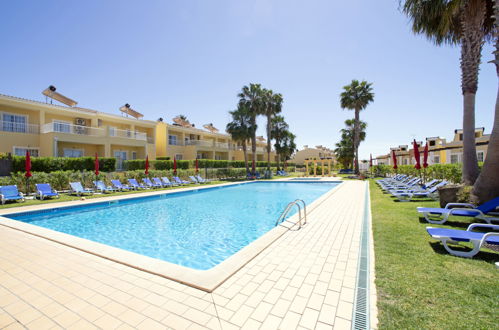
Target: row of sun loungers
(406, 188)
(44, 190)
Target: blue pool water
(196, 229)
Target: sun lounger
(150, 184)
(194, 179)
(101, 187)
(158, 182)
(180, 181)
(455, 236)
(201, 180)
(118, 185)
(133, 183)
(10, 193)
(167, 182)
(486, 211)
(44, 190)
(408, 195)
(77, 188)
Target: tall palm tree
(251, 97)
(240, 129)
(344, 150)
(356, 96)
(467, 23)
(487, 185)
(273, 106)
(278, 132)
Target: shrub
(51, 164)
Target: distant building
(318, 152)
(439, 150)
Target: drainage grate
(361, 302)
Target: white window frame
(24, 151)
(112, 130)
(26, 121)
(61, 122)
(134, 155)
(73, 149)
(457, 158)
(179, 156)
(172, 138)
(218, 157)
(481, 153)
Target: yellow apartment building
(69, 131)
(313, 153)
(439, 150)
(186, 142)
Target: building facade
(319, 152)
(439, 150)
(60, 131)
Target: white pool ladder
(288, 208)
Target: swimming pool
(197, 229)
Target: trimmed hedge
(139, 164)
(52, 164)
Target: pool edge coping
(206, 280)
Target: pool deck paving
(306, 279)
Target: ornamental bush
(51, 164)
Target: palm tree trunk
(245, 152)
(487, 185)
(471, 49)
(278, 160)
(253, 146)
(269, 126)
(356, 138)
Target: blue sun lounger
(44, 190)
(455, 236)
(150, 184)
(194, 179)
(10, 193)
(167, 182)
(408, 195)
(158, 182)
(485, 212)
(77, 189)
(201, 180)
(133, 183)
(101, 187)
(180, 181)
(118, 185)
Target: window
(172, 140)
(432, 143)
(436, 159)
(112, 131)
(479, 156)
(62, 126)
(134, 154)
(13, 123)
(218, 157)
(405, 161)
(454, 159)
(73, 153)
(21, 151)
(460, 137)
(178, 157)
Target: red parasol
(416, 155)
(197, 166)
(425, 156)
(394, 160)
(27, 165)
(175, 165)
(147, 165)
(96, 164)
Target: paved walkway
(305, 279)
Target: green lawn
(64, 197)
(421, 286)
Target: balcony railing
(8, 126)
(221, 145)
(58, 127)
(201, 143)
(128, 134)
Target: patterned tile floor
(305, 280)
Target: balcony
(7, 126)
(127, 134)
(59, 127)
(200, 143)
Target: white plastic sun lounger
(485, 212)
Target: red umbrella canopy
(416, 155)
(197, 166)
(96, 164)
(27, 165)
(425, 156)
(175, 165)
(147, 165)
(394, 160)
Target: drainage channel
(361, 302)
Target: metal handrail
(289, 207)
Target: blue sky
(192, 57)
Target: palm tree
(344, 149)
(273, 106)
(285, 147)
(467, 23)
(240, 129)
(251, 98)
(278, 132)
(356, 96)
(487, 185)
